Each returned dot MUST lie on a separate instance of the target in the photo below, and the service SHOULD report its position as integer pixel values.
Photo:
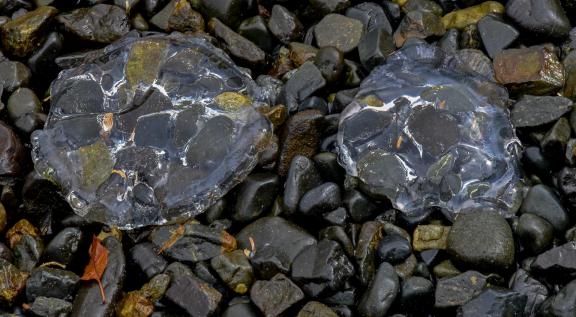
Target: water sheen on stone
(156, 129)
(425, 135)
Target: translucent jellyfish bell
(424, 135)
(155, 129)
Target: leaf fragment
(97, 265)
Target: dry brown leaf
(97, 265)
(176, 234)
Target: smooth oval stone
(143, 155)
(425, 136)
(542, 201)
(541, 17)
(381, 293)
(482, 240)
(393, 249)
(535, 233)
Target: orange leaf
(176, 234)
(97, 264)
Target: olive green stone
(23, 35)
(339, 31)
(144, 62)
(232, 101)
(418, 24)
(459, 19)
(12, 282)
(134, 304)
(570, 69)
(154, 290)
(300, 53)
(3, 218)
(430, 237)
(316, 309)
(445, 269)
(96, 164)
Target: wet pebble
(27, 252)
(50, 307)
(541, 200)
(64, 246)
(365, 252)
(534, 70)
(235, 270)
(146, 258)
(418, 24)
(23, 35)
(276, 243)
(230, 11)
(541, 17)
(359, 206)
(276, 295)
(557, 263)
(330, 62)
(471, 15)
(417, 295)
(371, 15)
(535, 292)
(381, 293)
(458, 290)
(494, 302)
(13, 75)
(49, 282)
(393, 249)
(321, 267)
(255, 30)
(428, 237)
(375, 47)
(535, 233)
(285, 25)
(321, 199)
(256, 195)
(339, 31)
(238, 46)
(101, 23)
(25, 110)
(496, 34)
(531, 111)
(323, 7)
(561, 304)
(482, 240)
(316, 309)
(305, 81)
(179, 16)
(302, 177)
(12, 286)
(195, 242)
(189, 293)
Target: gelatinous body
(423, 135)
(155, 129)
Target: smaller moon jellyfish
(424, 135)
